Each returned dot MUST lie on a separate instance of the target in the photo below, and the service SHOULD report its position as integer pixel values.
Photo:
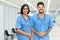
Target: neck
(25, 16)
(41, 15)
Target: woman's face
(25, 10)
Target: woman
(24, 23)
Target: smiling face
(40, 8)
(25, 10)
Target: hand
(29, 35)
(31, 38)
(41, 34)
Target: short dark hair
(23, 8)
(40, 3)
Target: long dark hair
(23, 8)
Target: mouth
(41, 9)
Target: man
(42, 24)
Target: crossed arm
(24, 33)
(41, 34)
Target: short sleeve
(18, 23)
(50, 22)
(33, 21)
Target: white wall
(1, 23)
(8, 15)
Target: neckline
(24, 18)
(40, 17)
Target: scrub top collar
(38, 17)
(25, 19)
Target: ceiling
(53, 5)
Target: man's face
(40, 8)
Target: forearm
(33, 30)
(32, 33)
(32, 36)
(48, 30)
(21, 32)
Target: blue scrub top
(24, 25)
(42, 25)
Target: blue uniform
(24, 25)
(42, 25)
